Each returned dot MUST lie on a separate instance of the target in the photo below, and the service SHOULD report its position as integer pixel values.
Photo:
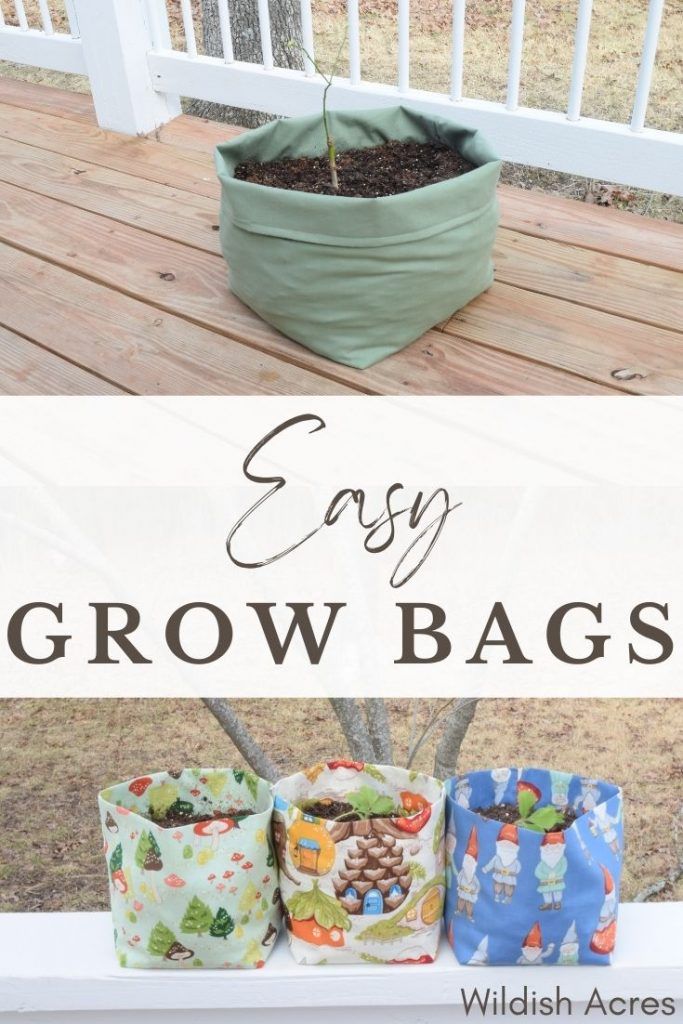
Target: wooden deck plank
(603, 229)
(182, 169)
(160, 209)
(196, 133)
(456, 366)
(185, 282)
(29, 369)
(477, 354)
(45, 99)
(133, 345)
(623, 287)
(575, 338)
(199, 292)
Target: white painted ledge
(56, 968)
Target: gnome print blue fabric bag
(517, 896)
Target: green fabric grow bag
(358, 279)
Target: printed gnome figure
(505, 865)
(589, 796)
(463, 792)
(469, 885)
(500, 778)
(551, 869)
(532, 948)
(480, 957)
(559, 782)
(602, 824)
(569, 947)
(604, 937)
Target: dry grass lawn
(56, 754)
(615, 47)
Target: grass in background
(56, 755)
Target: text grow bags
(358, 279)
(197, 895)
(364, 891)
(529, 898)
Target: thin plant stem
(328, 79)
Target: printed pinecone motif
(375, 880)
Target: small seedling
(368, 803)
(543, 819)
(328, 78)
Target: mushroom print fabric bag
(529, 897)
(192, 872)
(361, 854)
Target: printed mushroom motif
(119, 881)
(344, 769)
(524, 786)
(174, 881)
(140, 786)
(213, 829)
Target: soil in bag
(387, 170)
(339, 810)
(184, 813)
(509, 814)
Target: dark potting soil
(509, 814)
(177, 818)
(386, 170)
(337, 810)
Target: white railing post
(458, 47)
(117, 39)
(583, 27)
(21, 15)
(266, 37)
(72, 19)
(226, 31)
(354, 42)
(647, 64)
(188, 27)
(307, 36)
(45, 17)
(403, 45)
(516, 47)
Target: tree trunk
(251, 751)
(454, 733)
(285, 23)
(380, 729)
(354, 728)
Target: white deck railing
(39, 44)
(61, 969)
(124, 46)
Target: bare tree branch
(653, 890)
(354, 728)
(250, 750)
(426, 732)
(413, 727)
(454, 733)
(379, 727)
